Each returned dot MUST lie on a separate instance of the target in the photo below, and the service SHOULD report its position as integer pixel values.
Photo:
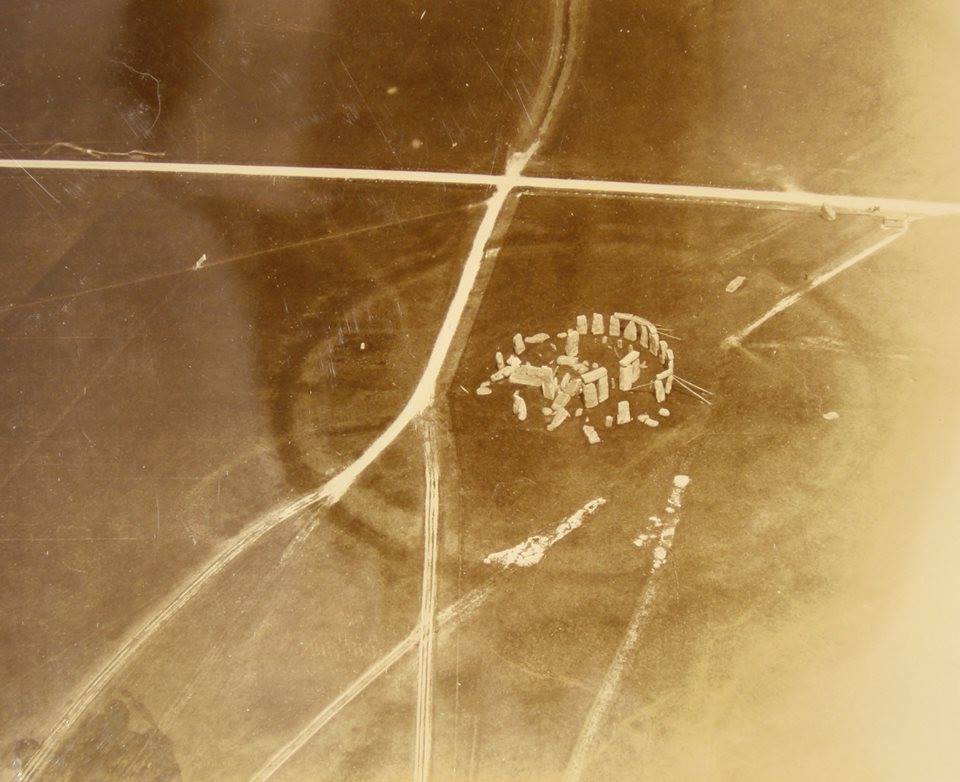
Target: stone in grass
(484, 388)
(591, 433)
(734, 285)
(664, 413)
(833, 415)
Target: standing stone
(519, 406)
(614, 326)
(582, 324)
(597, 327)
(623, 412)
(590, 395)
(630, 332)
(518, 344)
(603, 387)
(629, 370)
(659, 390)
(573, 343)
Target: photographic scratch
(154, 79)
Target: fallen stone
(652, 422)
(499, 359)
(735, 284)
(828, 212)
(546, 411)
(560, 401)
(578, 412)
(536, 339)
(558, 418)
(529, 375)
(591, 434)
(664, 413)
(514, 361)
(484, 388)
(573, 386)
(833, 415)
(518, 344)
(608, 421)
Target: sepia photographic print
(479, 390)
